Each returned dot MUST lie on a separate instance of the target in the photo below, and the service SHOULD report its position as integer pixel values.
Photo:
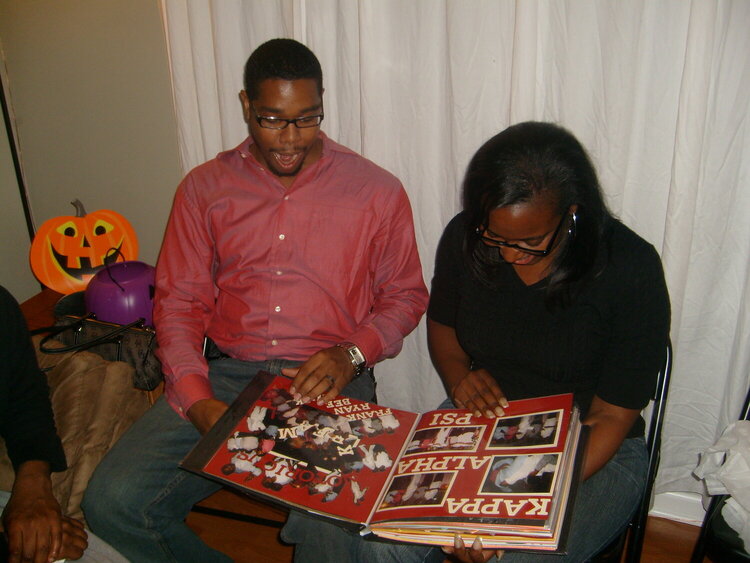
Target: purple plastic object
(122, 293)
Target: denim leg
(377, 551)
(320, 541)
(138, 497)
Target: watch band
(355, 356)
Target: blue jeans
(603, 506)
(138, 497)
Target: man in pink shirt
(292, 254)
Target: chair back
(631, 539)
(653, 444)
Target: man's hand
(204, 413)
(32, 519)
(322, 377)
(476, 554)
(479, 392)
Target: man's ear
(245, 101)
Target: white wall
(90, 90)
(15, 274)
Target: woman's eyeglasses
(533, 251)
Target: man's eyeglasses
(270, 122)
(533, 251)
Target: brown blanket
(94, 403)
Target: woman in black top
(539, 290)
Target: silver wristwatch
(355, 355)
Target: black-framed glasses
(533, 251)
(272, 122)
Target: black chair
(635, 532)
(717, 539)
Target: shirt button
(277, 309)
(278, 272)
(286, 197)
(274, 342)
(282, 237)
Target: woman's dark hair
(521, 163)
(281, 58)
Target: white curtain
(657, 90)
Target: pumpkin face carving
(67, 251)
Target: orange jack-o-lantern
(67, 251)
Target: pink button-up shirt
(269, 272)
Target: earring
(572, 227)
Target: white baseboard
(683, 507)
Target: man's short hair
(286, 59)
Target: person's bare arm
(204, 413)
(475, 390)
(609, 426)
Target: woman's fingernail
(477, 545)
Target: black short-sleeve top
(26, 421)
(609, 341)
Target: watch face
(355, 355)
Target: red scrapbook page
(333, 459)
(506, 479)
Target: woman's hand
(479, 392)
(475, 390)
(476, 554)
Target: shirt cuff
(185, 392)
(369, 344)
